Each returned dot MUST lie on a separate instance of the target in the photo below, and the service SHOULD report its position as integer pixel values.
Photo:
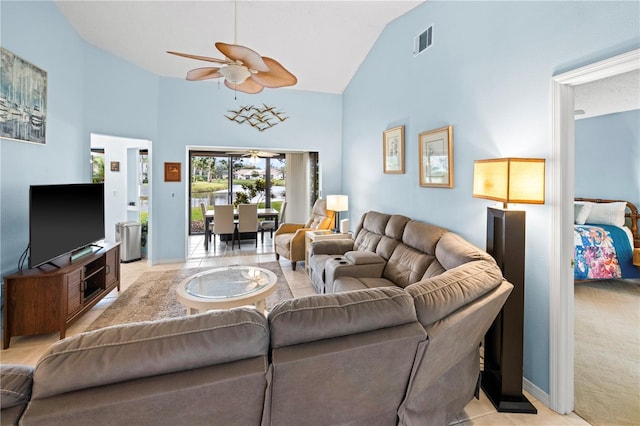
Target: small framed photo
(172, 172)
(436, 157)
(393, 150)
(115, 166)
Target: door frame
(562, 188)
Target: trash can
(128, 234)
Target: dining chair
(247, 221)
(224, 223)
(270, 225)
(204, 219)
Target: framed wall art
(393, 150)
(436, 157)
(115, 166)
(23, 100)
(172, 172)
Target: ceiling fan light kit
(234, 73)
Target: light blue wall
(192, 114)
(488, 74)
(36, 32)
(608, 157)
(91, 91)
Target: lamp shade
(338, 203)
(510, 180)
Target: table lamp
(509, 180)
(337, 203)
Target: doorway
(123, 164)
(562, 175)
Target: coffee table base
(197, 303)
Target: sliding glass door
(224, 178)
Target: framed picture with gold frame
(393, 150)
(172, 172)
(436, 157)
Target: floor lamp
(337, 203)
(509, 180)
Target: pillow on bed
(581, 213)
(607, 213)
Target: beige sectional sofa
(457, 290)
(376, 356)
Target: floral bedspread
(602, 252)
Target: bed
(605, 235)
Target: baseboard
(163, 261)
(535, 391)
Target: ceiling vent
(423, 41)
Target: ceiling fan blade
(201, 58)
(265, 154)
(248, 86)
(203, 74)
(243, 54)
(277, 76)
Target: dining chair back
(270, 225)
(204, 219)
(247, 221)
(224, 223)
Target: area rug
(153, 296)
(607, 352)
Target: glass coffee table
(226, 287)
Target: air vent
(423, 41)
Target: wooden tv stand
(50, 299)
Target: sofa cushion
(396, 226)
(340, 267)
(443, 294)
(15, 385)
(350, 284)
(376, 222)
(124, 352)
(452, 250)
(407, 265)
(422, 236)
(318, 317)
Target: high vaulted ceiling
(321, 42)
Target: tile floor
(27, 350)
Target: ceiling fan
(243, 69)
(253, 154)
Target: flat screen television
(63, 219)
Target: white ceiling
(609, 95)
(321, 42)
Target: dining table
(263, 213)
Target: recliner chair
(289, 238)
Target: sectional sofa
(370, 356)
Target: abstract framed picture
(436, 157)
(172, 172)
(23, 100)
(393, 150)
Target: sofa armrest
(288, 228)
(331, 247)
(15, 384)
(364, 258)
(341, 266)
